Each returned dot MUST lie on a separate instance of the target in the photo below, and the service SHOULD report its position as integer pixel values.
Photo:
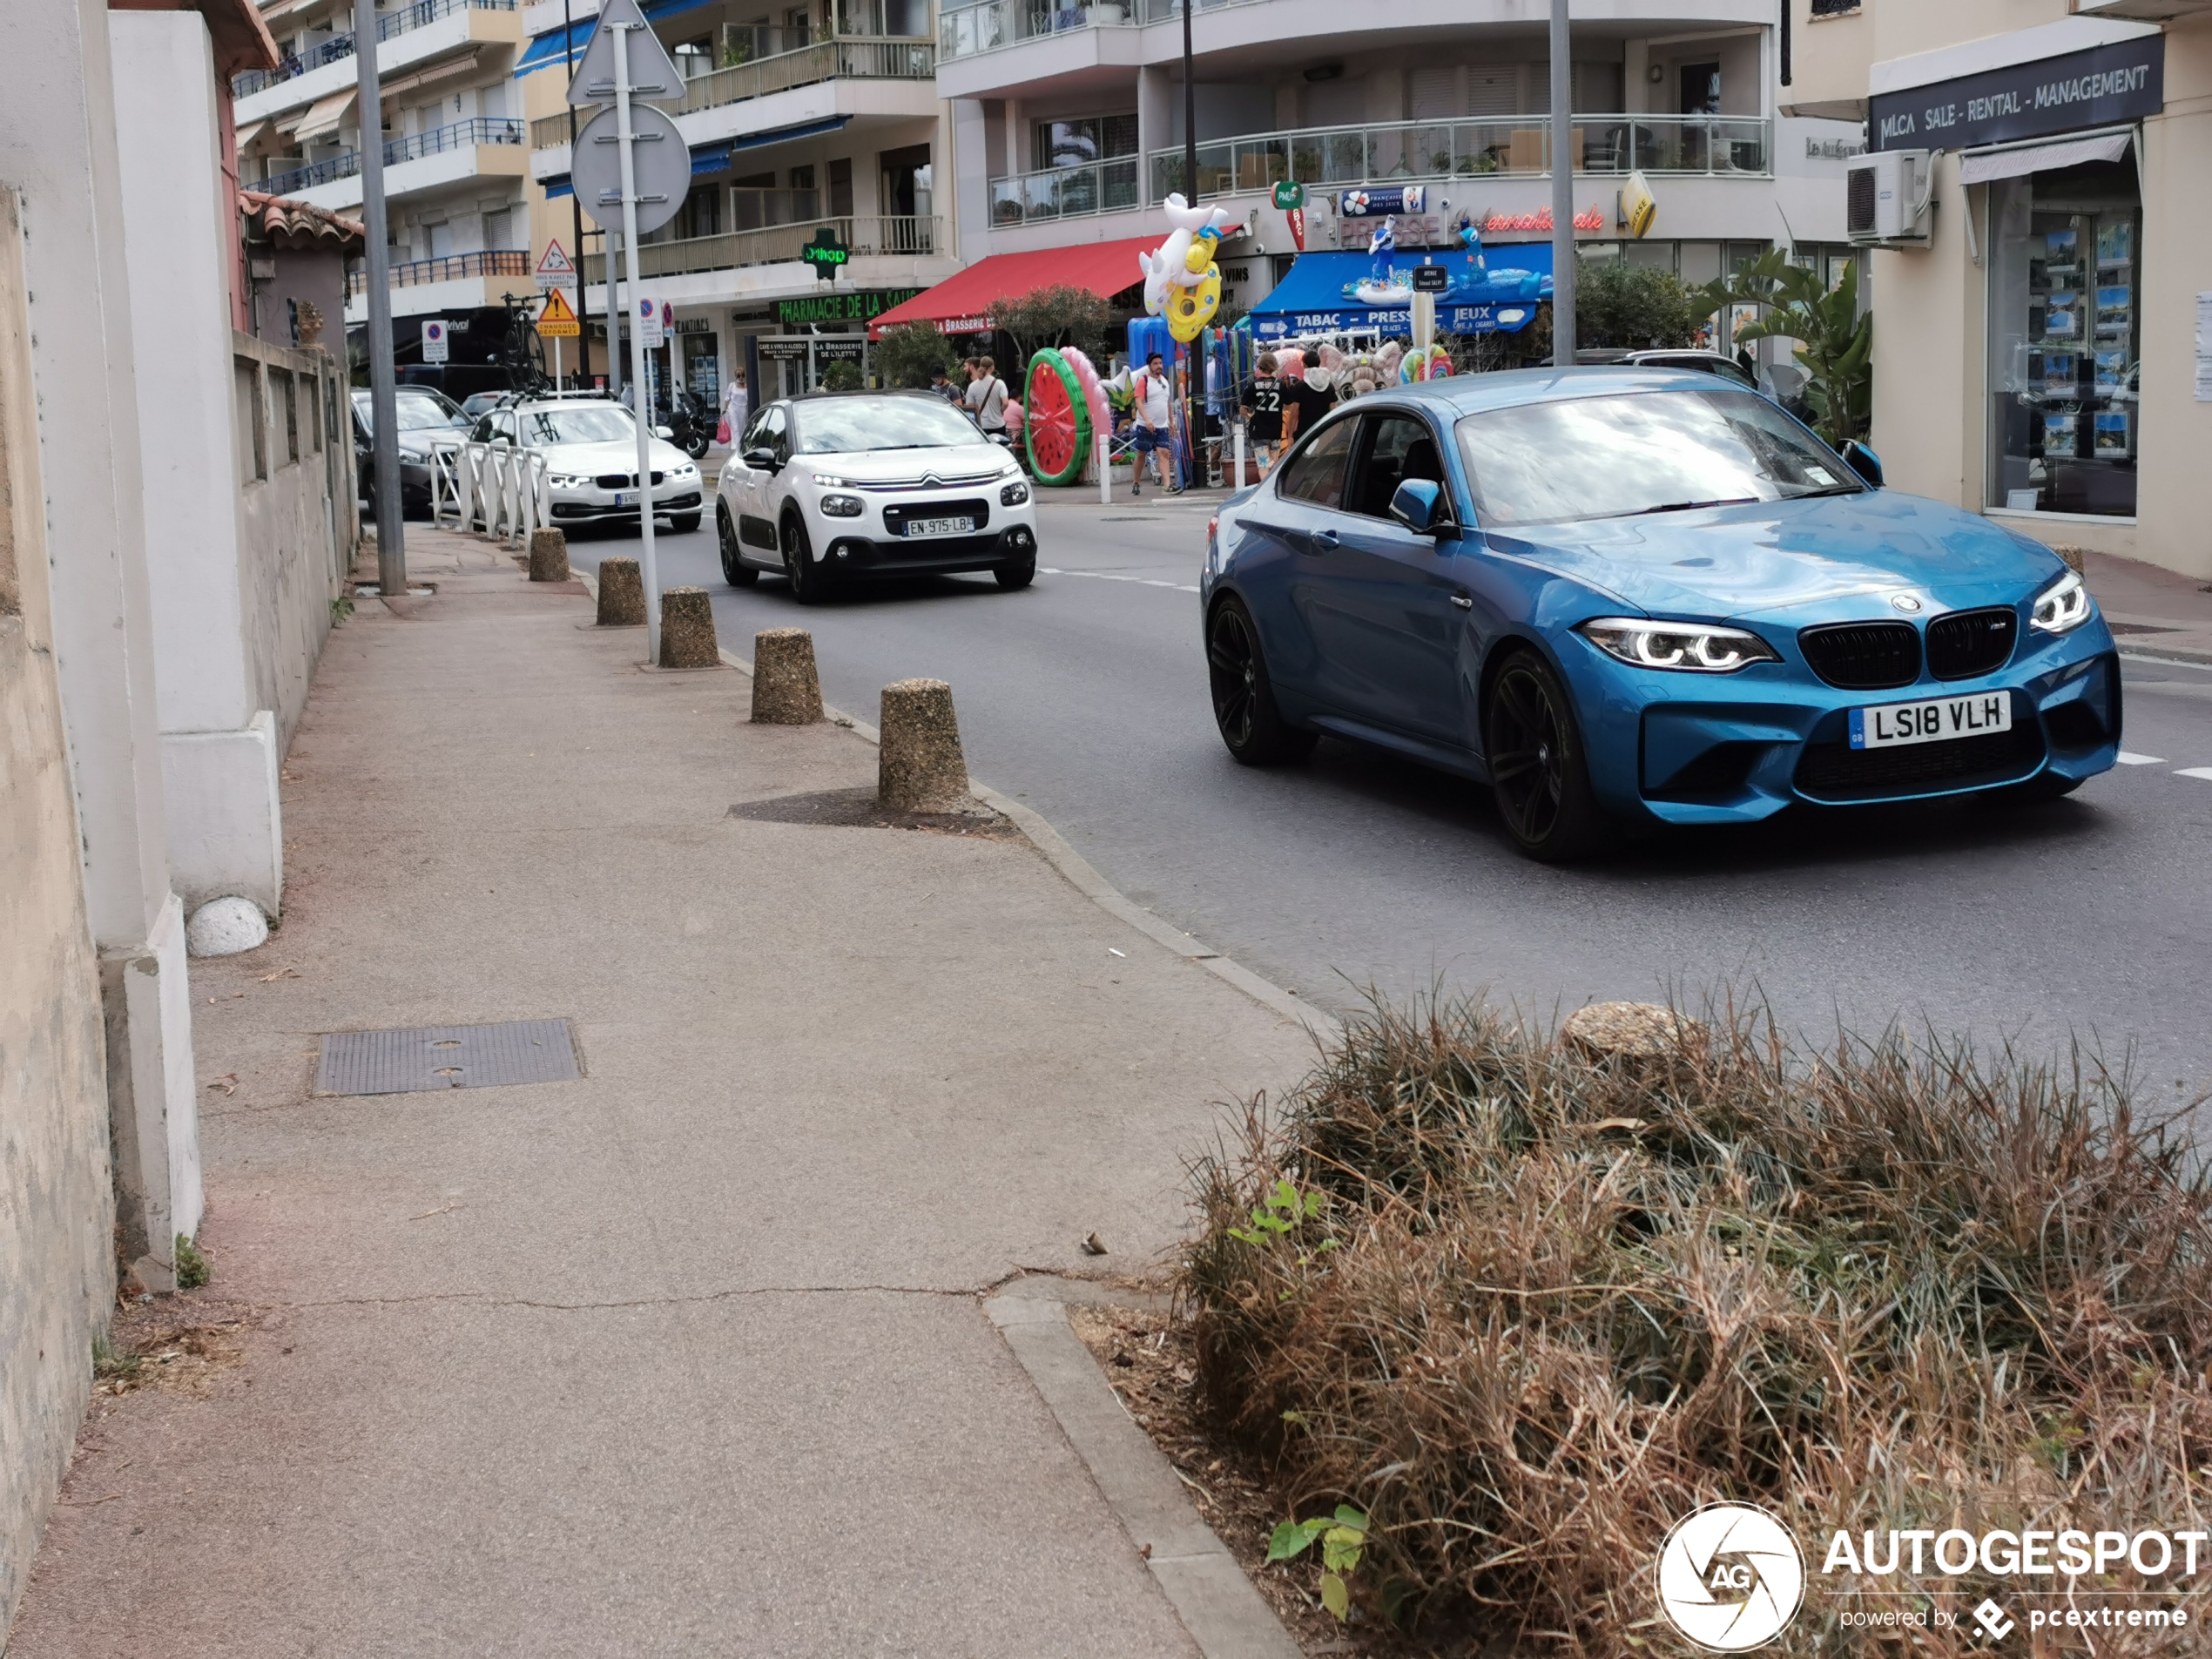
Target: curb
(1080, 874)
(1227, 1618)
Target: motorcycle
(692, 428)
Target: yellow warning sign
(558, 320)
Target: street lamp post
(1191, 371)
(576, 217)
(1562, 192)
(383, 397)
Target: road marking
(1110, 576)
(2127, 759)
(2204, 773)
(2165, 661)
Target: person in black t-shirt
(1263, 412)
(1307, 402)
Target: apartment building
(455, 162)
(2043, 343)
(1068, 124)
(801, 117)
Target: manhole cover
(447, 1056)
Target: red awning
(961, 305)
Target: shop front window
(2064, 303)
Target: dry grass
(1568, 1300)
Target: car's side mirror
(1863, 461)
(1418, 505)
(1000, 438)
(760, 460)
(663, 431)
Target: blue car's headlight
(2062, 607)
(1693, 647)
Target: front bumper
(855, 557)
(1692, 748)
(593, 506)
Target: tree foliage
(842, 374)
(1636, 306)
(1060, 315)
(1834, 344)
(908, 354)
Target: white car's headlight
(687, 470)
(842, 505)
(831, 481)
(1693, 647)
(566, 480)
(1015, 494)
(2062, 607)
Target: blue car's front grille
(1863, 655)
(1968, 644)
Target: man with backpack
(986, 398)
(1153, 395)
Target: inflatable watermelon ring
(1058, 423)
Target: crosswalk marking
(2204, 773)
(1113, 576)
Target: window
(441, 240)
(290, 384)
(840, 188)
(246, 409)
(695, 57)
(2065, 340)
(803, 177)
(1316, 473)
(1399, 447)
(756, 431)
(1090, 137)
(499, 230)
(1701, 89)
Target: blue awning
(1321, 295)
(710, 157)
(552, 46)
(781, 135)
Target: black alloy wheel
(1244, 699)
(1538, 770)
(735, 570)
(809, 581)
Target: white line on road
(2204, 773)
(1109, 575)
(2127, 759)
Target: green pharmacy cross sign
(826, 253)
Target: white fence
(496, 487)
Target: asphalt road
(1086, 698)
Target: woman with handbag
(735, 405)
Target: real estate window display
(2065, 307)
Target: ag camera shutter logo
(1730, 1577)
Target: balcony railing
(777, 244)
(450, 267)
(889, 58)
(963, 31)
(329, 51)
(462, 135)
(1066, 192)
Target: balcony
(906, 236)
(407, 19)
(846, 57)
(1066, 192)
(964, 32)
(452, 267)
(462, 135)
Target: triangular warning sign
(556, 319)
(653, 77)
(556, 261)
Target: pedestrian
(1263, 412)
(943, 386)
(1310, 399)
(986, 398)
(1152, 395)
(737, 402)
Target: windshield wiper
(1691, 506)
(1828, 489)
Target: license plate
(1936, 720)
(919, 526)
(620, 499)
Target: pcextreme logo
(1730, 1577)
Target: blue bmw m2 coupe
(1621, 595)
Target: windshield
(1641, 452)
(415, 412)
(587, 423)
(839, 426)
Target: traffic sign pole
(648, 566)
(383, 394)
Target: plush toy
(1290, 361)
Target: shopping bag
(722, 434)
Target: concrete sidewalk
(2151, 609)
(687, 1357)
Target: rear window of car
(1641, 452)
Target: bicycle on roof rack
(521, 351)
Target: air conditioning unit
(1885, 197)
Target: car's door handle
(1465, 602)
(1324, 540)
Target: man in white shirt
(986, 398)
(1152, 392)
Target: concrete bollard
(622, 593)
(548, 556)
(687, 629)
(786, 689)
(920, 768)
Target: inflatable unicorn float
(1182, 281)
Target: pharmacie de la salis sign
(2102, 86)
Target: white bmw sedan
(590, 449)
(838, 487)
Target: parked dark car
(423, 413)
